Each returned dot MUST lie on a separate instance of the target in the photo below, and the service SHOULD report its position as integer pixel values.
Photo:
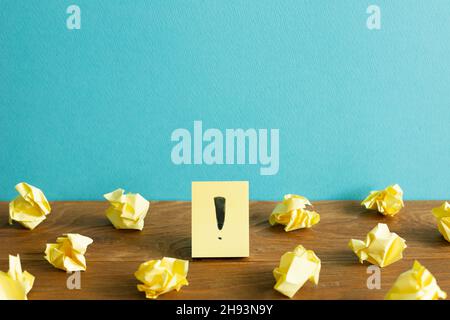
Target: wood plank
(116, 254)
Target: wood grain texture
(116, 254)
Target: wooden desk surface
(115, 254)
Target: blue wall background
(86, 111)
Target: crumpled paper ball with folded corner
(161, 276)
(30, 208)
(295, 269)
(442, 215)
(416, 284)
(68, 252)
(294, 213)
(126, 211)
(381, 247)
(15, 284)
(387, 202)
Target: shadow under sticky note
(220, 219)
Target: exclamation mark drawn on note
(219, 203)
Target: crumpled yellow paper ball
(381, 247)
(68, 252)
(161, 276)
(442, 215)
(388, 201)
(293, 213)
(30, 207)
(15, 284)
(295, 269)
(416, 284)
(127, 211)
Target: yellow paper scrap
(416, 284)
(295, 269)
(15, 284)
(388, 201)
(68, 252)
(381, 247)
(127, 211)
(442, 215)
(294, 214)
(161, 276)
(30, 207)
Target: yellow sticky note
(416, 284)
(161, 276)
(15, 284)
(30, 207)
(127, 211)
(381, 247)
(68, 252)
(388, 201)
(442, 215)
(220, 219)
(294, 213)
(295, 269)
